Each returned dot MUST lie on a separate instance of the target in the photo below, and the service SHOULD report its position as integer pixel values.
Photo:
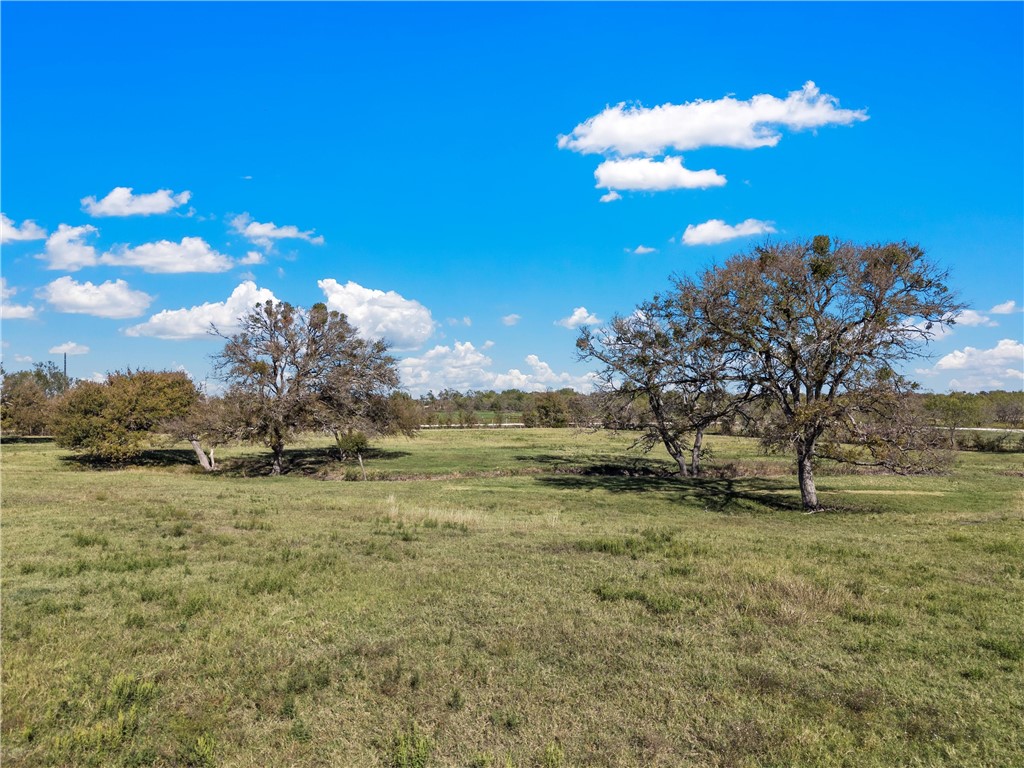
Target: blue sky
(404, 162)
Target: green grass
(519, 597)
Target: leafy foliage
(110, 421)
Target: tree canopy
(811, 330)
(292, 369)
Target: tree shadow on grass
(25, 439)
(721, 495)
(305, 462)
(158, 458)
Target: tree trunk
(201, 455)
(698, 439)
(676, 452)
(805, 470)
(278, 449)
(360, 457)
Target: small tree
(817, 328)
(293, 369)
(358, 399)
(955, 411)
(110, 421)
(661, 373)
(24, 406)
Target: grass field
(519, 597)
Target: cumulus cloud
(463, 366)
(727, 122)
(380, 314)
(971, 318)
(192, 254)
(610, 197)
(264, 235)
(646, 174)
(66, 248)
(13, 311)
(717, 231)
(580, 316)
(541, 377)
(120, 201)
(511, 319)
(1006, 308)
(69, 348)
(641, 250)
(1004, 354)
(252, 257)
(10, 232)
(113, 298)
(195, 322)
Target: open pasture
(514, 597)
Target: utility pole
(65, 366)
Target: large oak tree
(817, 328)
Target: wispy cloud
(1006, 308)
(717, 231)
(511, 319)
(641, 250)
(610, 197)
(10, 232)
(972, 318)
(264, 235)
(69, 348)
(13, 311)
(121, 201)
(114, 298)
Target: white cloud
(380, 314)
(29, 230)
(113, 299)
(462, 366)
(717, 231)
(1006, 353)
(66, 248)
(579, 317)
(645, 174)
(511, 319)
(121, 202)
(195, 322)
(69, 348)
(726, 122)
(610, 197)
(13, 311)
(252, 257)
(641, 250)
(971, 319)
(264, 235)
(542, 377)
(192, 254)
(1006, 308)
(23, 358)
